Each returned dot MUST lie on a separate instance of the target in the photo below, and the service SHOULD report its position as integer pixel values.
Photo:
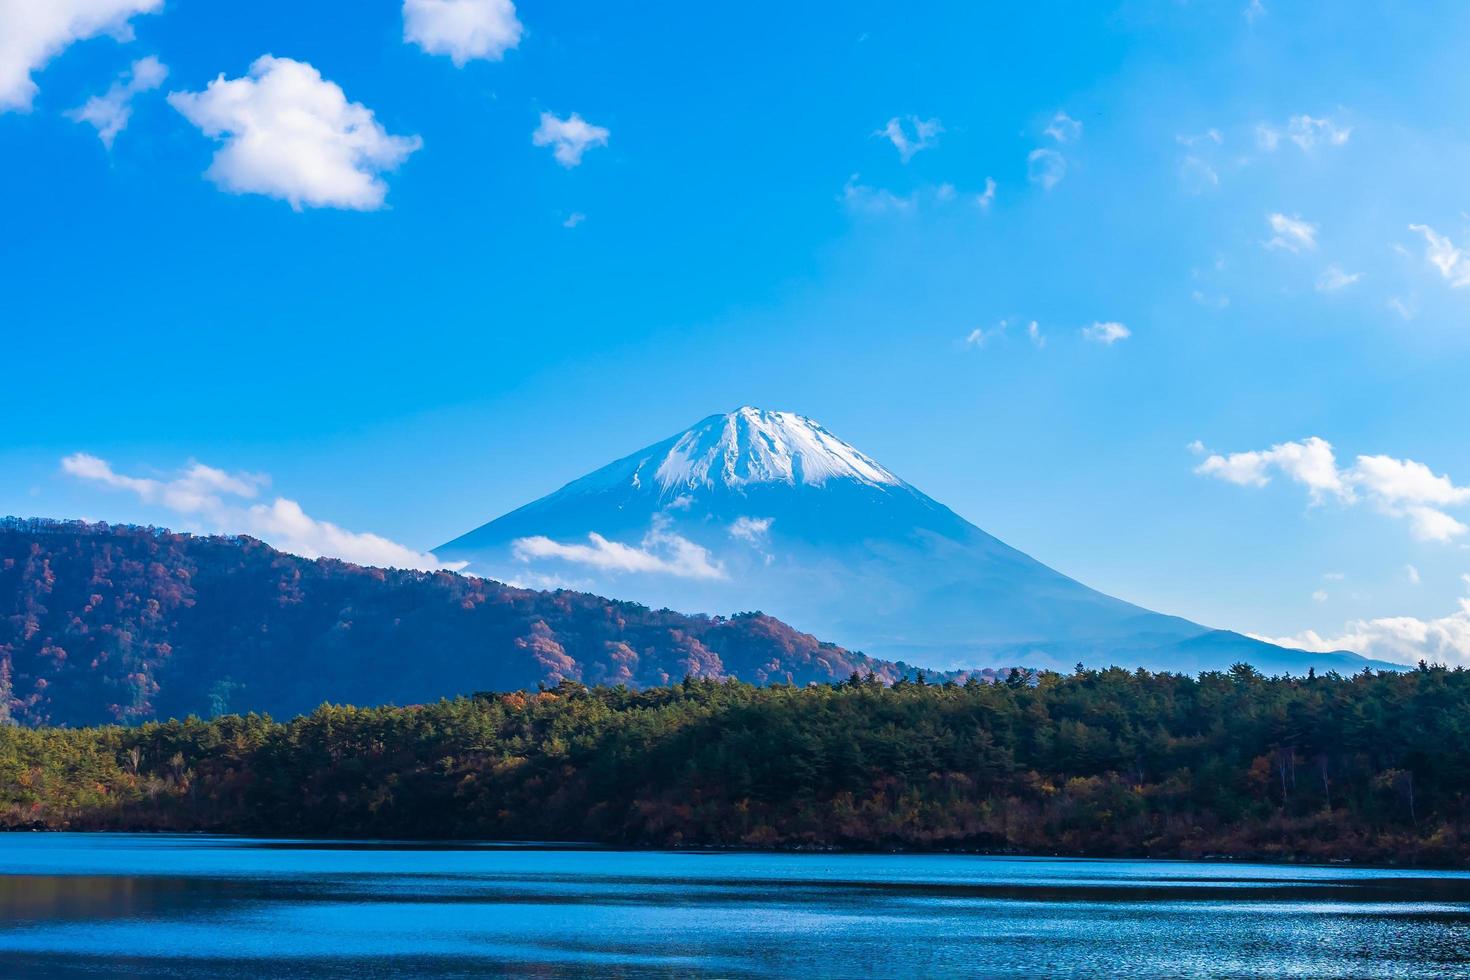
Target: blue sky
(409, 317)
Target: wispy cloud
(660, 552)
(569, 138)
(1045, 167)
(1106, 333)
(925, 135)
(1401, 488)
(1210, 136)
(1063, 128)
(857, 196)
(1441, 253)
(1334, 278)
(1307, 132)
(864, 198)
(752, 530)
(224, 503)
(109, 113)
(979, 336)
(1291, 233)
(986, 197)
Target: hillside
(104, 623)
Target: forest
(106, 623)
(1373, 767)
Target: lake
(181, 906)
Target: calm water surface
(102, 905)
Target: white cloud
(1106, 333)
(660, 552)
(1334, 576)
(1401, 639)
(1451, 262)
(109, 113)
(1063, 128)
(874, 200)
(1310, 463)
(925, 135)
(1412, 574)
(463, 29)
(1292, 234)
(574, 219)
(569, 137)
(288, 133)
(752, 530)
(32, 32)
(195, 490)
(1429, 524)
(987, 197)
(1334, 278)
(864, 198)
(1253, 10)
(1405, 481)
(1305, 131)
(221, 503)
(1399, 488)
(979, 336)
(1320, 595)
(1045, 167)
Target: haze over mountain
(767, 510)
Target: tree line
(1372, 767)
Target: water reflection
(179, 906)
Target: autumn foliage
(1104, 763)
(104, 623)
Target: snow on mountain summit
(752, 445)
(755, 509)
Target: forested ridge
(1373, 767)
(105, 623)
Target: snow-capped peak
(751, 445)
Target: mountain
(125, 624)
(769, 510)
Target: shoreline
(487, 844)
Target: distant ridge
(103, 623)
